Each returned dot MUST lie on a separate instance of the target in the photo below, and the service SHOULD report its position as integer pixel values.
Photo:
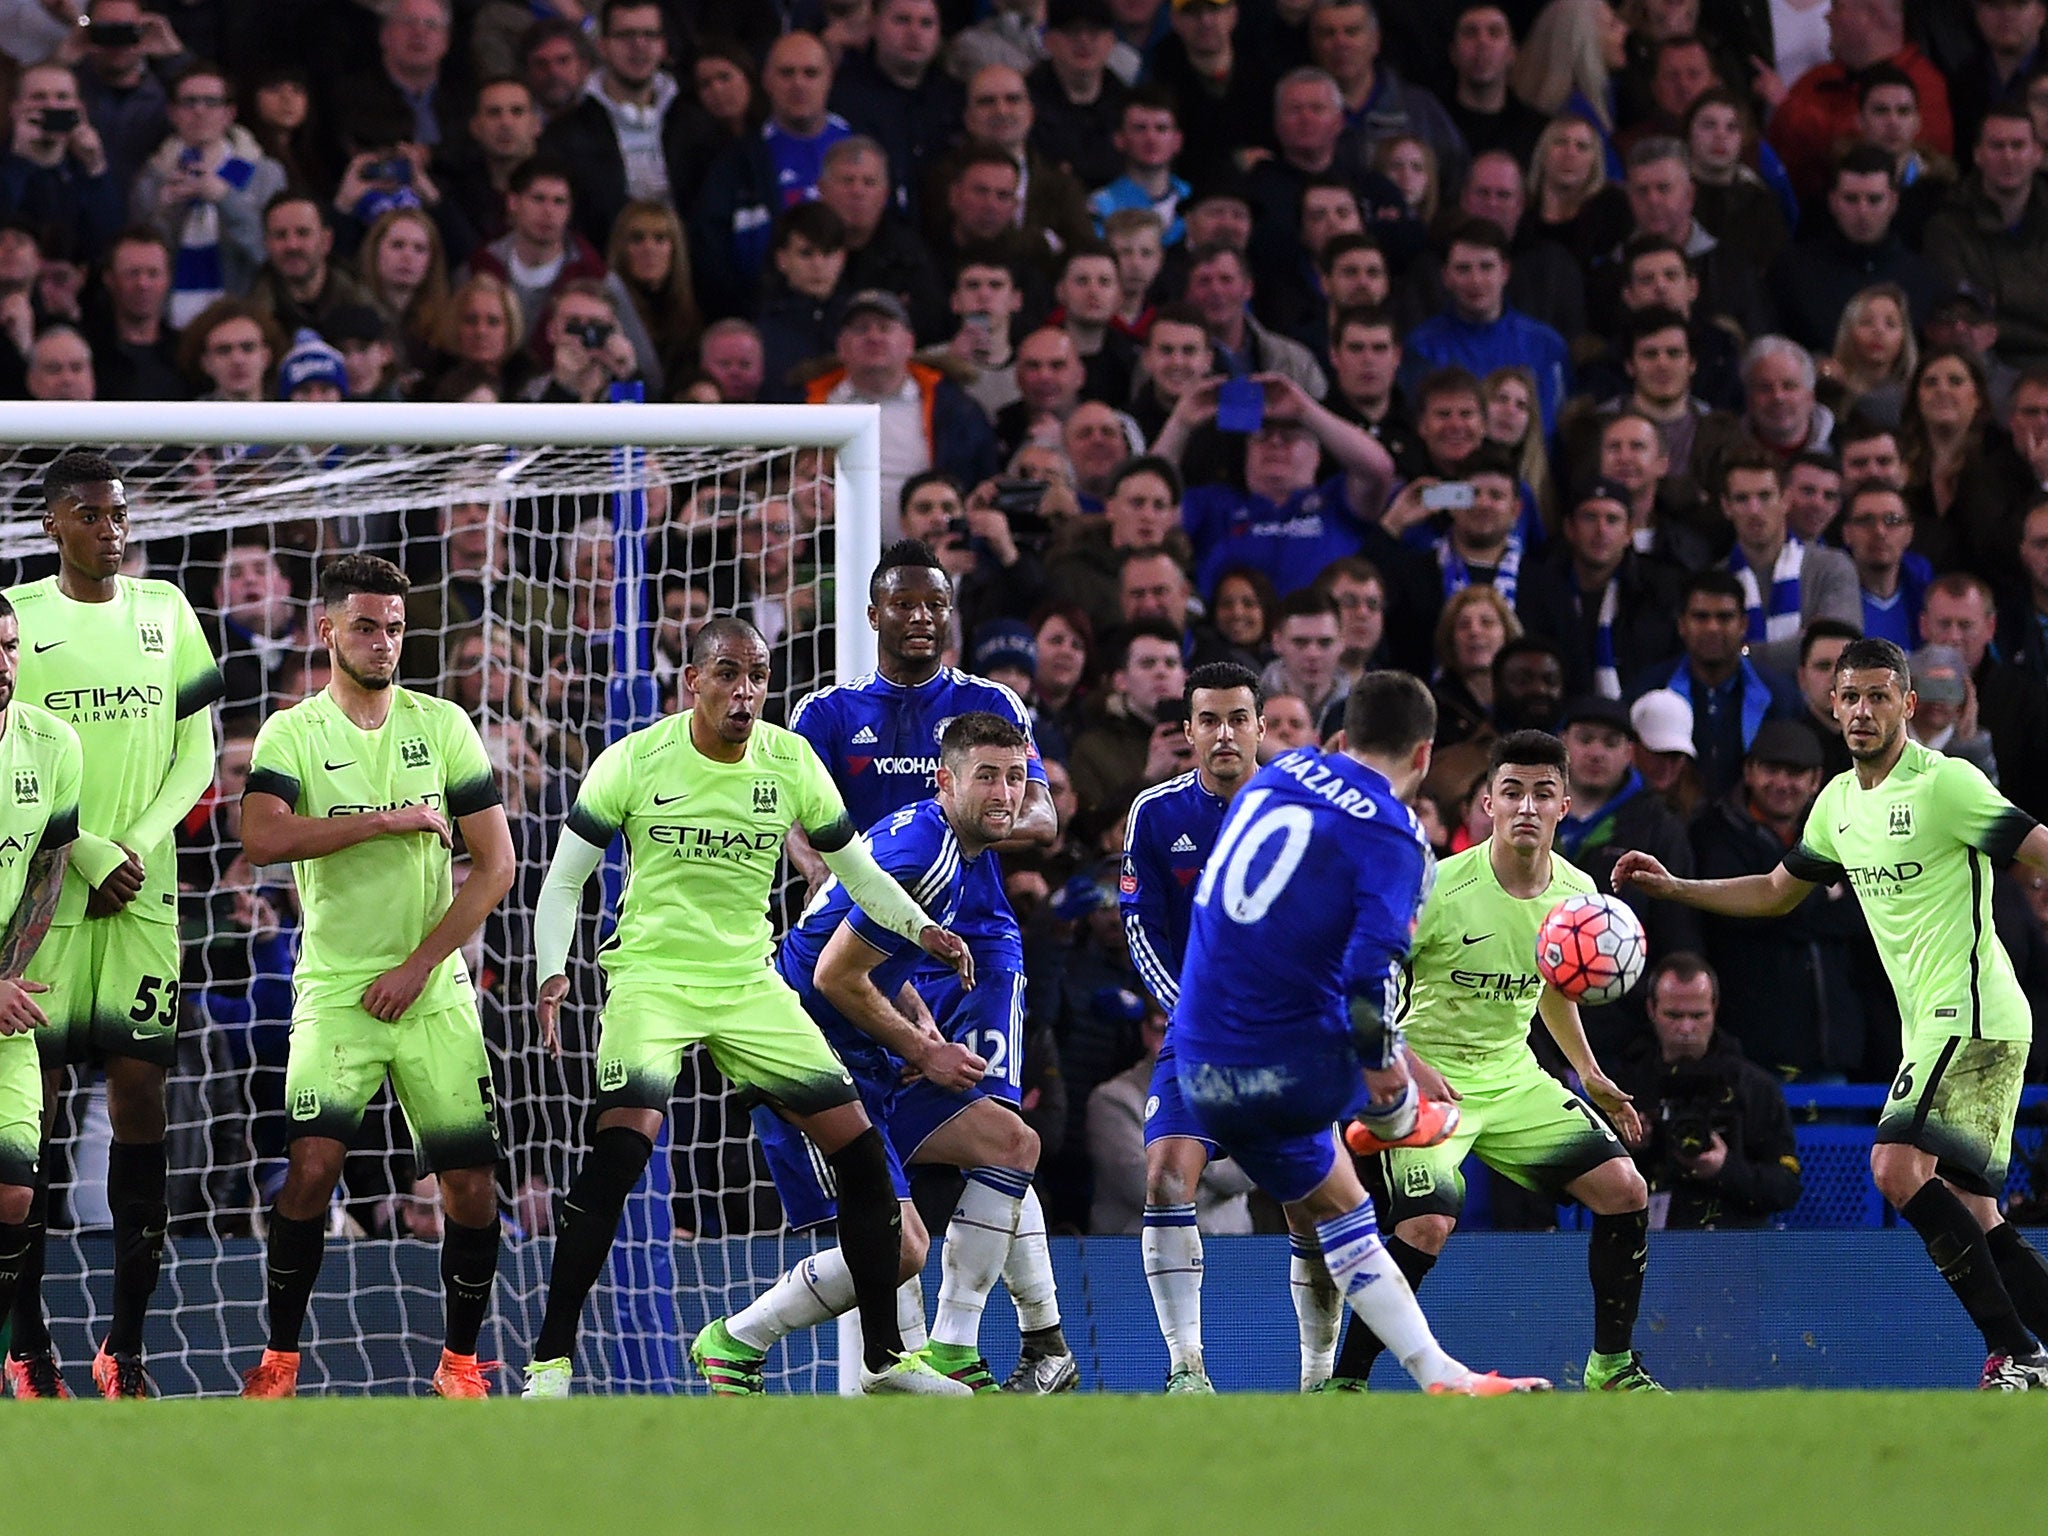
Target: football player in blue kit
(848, 971)
(878, 737)
(1167, 838)
(1302, 916)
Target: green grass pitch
(1705, 1463)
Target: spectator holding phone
(1278, 519)
(55, 173)
(589, 351)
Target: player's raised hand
(119, 888)
(396, 990)
(1643, 872)
(419, 818)
(19, 1014)
(951, 1066)
(941, 944)
(552, 991)
(1615, 1104)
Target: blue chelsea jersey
(917, 847)
(880, 742)
(1310, 896)
(1167, 838)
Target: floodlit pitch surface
(1708, 1462)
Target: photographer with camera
(55, 173)
(1717, 1144)
(589, 352)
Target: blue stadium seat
(1834, 1165)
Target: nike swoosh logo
(337, 767)
(50, 647)
(1841, 829)
(661, 800)
(142, 1034)
(1474, 938)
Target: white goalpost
(560, 555)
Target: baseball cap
(875, 301)
(1601, 488)
(1597, 709)
(1663, 722)
(311, 361)
(1939, 672)
(1786, 743)
(1005, 643)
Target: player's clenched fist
(942, 944)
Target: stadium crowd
(1610, 370)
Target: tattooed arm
(24, 934)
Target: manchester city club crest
(26, 790)
(152, 638)
(1899, 822)
(764, 797)
(413, 752)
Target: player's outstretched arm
(1560, 1016)
(804, 860)
(844, 976)
(273, 833)
(554, 925)
(23, 935)
(492, 863)
(875, 891)
(1771, 895)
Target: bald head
(796, 79)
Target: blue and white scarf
(1780, 621)
(1457, 576)
(1606, 674)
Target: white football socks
(978, 1241)
(910, 1313)
(1318, 1309)
(1172, 1248)
(819, 1288)
(1372, 1283)
(1027, 1273)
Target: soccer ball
(1591, 948)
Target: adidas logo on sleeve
(864, 737)
(1183, 844)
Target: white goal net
(560, 558)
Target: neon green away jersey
(40, 768)
(122, 674)
(1919, 850)
(705, 838)
(367, 907)
(1472, 981)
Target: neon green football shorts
(113, 991)
(1957, 1098)
(438, 1070)
(21, 1110)
(1531, 1128)
(758, 1036)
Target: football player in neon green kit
(1916, 835)
(1472, 984)
(122, 660)
(704, 800)
(40, 761)
(358, 788)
